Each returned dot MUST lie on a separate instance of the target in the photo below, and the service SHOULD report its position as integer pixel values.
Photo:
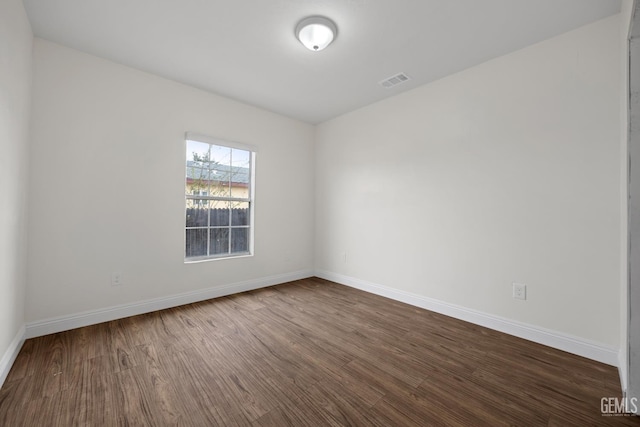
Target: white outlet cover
(519, 291)
(116, 279)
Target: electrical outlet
(116, 279)
(519, 291)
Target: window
(218, 198)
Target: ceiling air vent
(394, 80)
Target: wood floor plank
(133, 400)
(345, 408)
(96, 400)
(389, 415)
(119, 347)
(297, 411)
(14, 396)
(203, 392)
(489, 407)
(47, 411)
(161, 387)
(305, 353)
(275, 360)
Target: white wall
(506, 172)
(15, 98)
(107, 185)
(633, 296)
(625, 23)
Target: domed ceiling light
(316, 32)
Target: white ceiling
(246, 49)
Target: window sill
(217, 258)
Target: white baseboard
(555, 339)
(10, 355)
(65, 323)
(623, 371)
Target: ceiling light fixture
(316, 32)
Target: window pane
(219, 243)
(196, 242)
(195, 172)
(240, 213)
(197, 180)
(240, 166)
(197, 211)
(221, 155)
(239, 240)
(219, 213)
(240, 183)
(198, 153)
(220, 180)
(240, 158)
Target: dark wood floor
(307, 353)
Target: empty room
(319, 212)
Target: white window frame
(191, 136)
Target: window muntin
(218, 199)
